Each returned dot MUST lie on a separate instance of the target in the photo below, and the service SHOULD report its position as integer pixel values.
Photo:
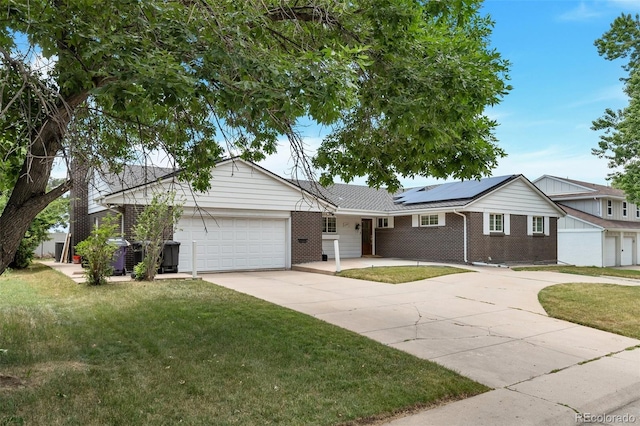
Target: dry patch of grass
(190, 352)
(400, 274)
(607, 307)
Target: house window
(538, 225)
(624, 209)
(496, 222)
(609, 208)
(383, 222)
(429, 220)
(637, 212)
(329, 225)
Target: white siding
(618, 210)
(516, 197)
(580, 248)
(97, 189)
(569, 222)
(350, 239)
(594, 207)
(552, 186)
(234, 185)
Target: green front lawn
(591, 271)
(607, 307)
(190, 352)
(400, 274)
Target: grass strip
(400, 274)
(607, 307)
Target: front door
(367, 237)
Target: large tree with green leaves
(403, 84)
(620, 138)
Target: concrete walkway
(487, 325)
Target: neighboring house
(253, 219)
(601, 227)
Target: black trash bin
(139, 249)
(58, 250)
(170, 255)
(118, 262)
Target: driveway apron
(486, 324)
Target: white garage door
(580, 248)
(229, 244)
(610, 251)
(627, 252)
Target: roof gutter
(464, 234)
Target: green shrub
(98, 252)
(153, 223)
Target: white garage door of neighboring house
(230, 244)
(627, 252)
(580, 248)
(610, 251)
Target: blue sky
(560, 85)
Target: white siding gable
(234, 185)
(516, 197)
(554, 186)
(96, 190)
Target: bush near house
(98, 252)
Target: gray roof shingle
(360, 197)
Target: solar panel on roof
(451, 191)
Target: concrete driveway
(487, 325)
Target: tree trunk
(29, 196)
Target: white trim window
(429, 220)
(383, 222)
(329, 225)
(537, 225)
(637, 212)
(624, 209)
(609, 208)
(496, 222)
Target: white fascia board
(426, 211)
(363, 213)
(580, 231)
(588, 197)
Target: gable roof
(600, 222)
(590, 190)
(132, 176)
(163, 175)
(442, 196)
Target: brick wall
(515, 248)
(306, 237)
(437, 243)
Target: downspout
(117, 210)
(464, 234)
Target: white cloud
(581, 13)
(556, 161)
(613, 93)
